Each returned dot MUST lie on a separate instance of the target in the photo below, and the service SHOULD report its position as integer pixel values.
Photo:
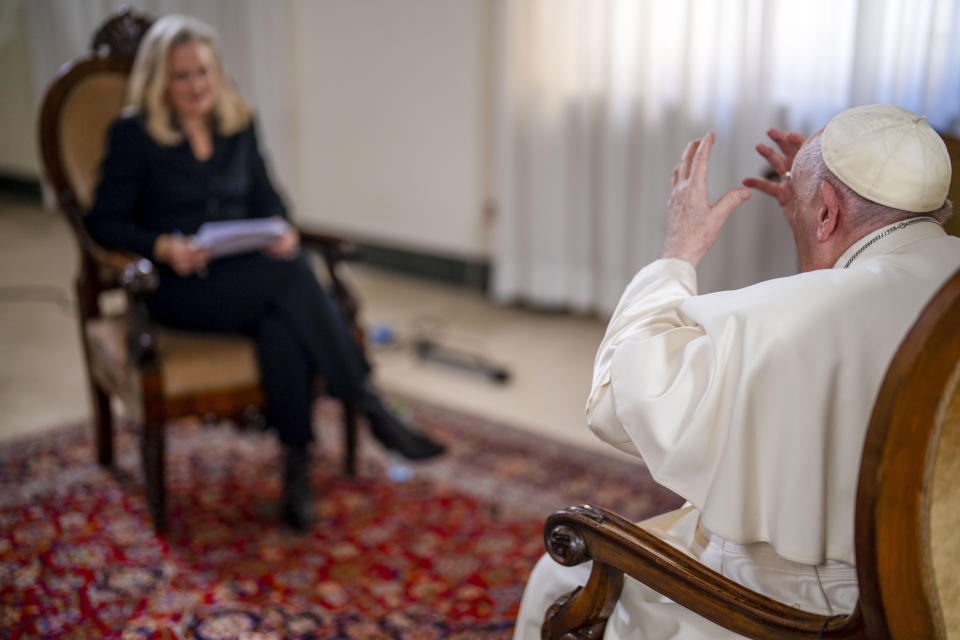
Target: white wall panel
(19, 155)
(390, 104)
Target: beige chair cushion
(87, 113)
(945, 516)
(192, 363)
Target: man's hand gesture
(693, 224)
(789, 144)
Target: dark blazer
(147, 189)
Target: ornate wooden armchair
(159, 374)
(908, 513)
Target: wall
(19, 155)
(391, 101)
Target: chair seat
(192, 363)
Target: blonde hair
(147, 92)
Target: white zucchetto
(888, 155)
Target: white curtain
(598, 98)
(61, 30)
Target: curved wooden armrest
(617, 546)
(113, 262)
(138, 278)
(133, 272)
(333, 247)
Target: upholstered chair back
(85, 97)
(88, 110)
(943, 517)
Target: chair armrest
(138, 278)
(111, 263)
(336, 247)
(617, 546)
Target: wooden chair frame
(100, 270)
(896, 599)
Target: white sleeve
(648, 311)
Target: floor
(548, 356)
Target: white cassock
(753, 405)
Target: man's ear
(829, 214)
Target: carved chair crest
(120, 36)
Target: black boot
(393, 433)
(297, 498)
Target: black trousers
(299, 330)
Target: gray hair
(863, 214)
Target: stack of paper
(227, 237)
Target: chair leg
(349, 439)
(152, 449)
(103, 425)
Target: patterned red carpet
(434, 550)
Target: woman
(183, 153)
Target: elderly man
(753, 404)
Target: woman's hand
(284, 246)
(180, 254)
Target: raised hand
(693, 224)
(789, 144)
